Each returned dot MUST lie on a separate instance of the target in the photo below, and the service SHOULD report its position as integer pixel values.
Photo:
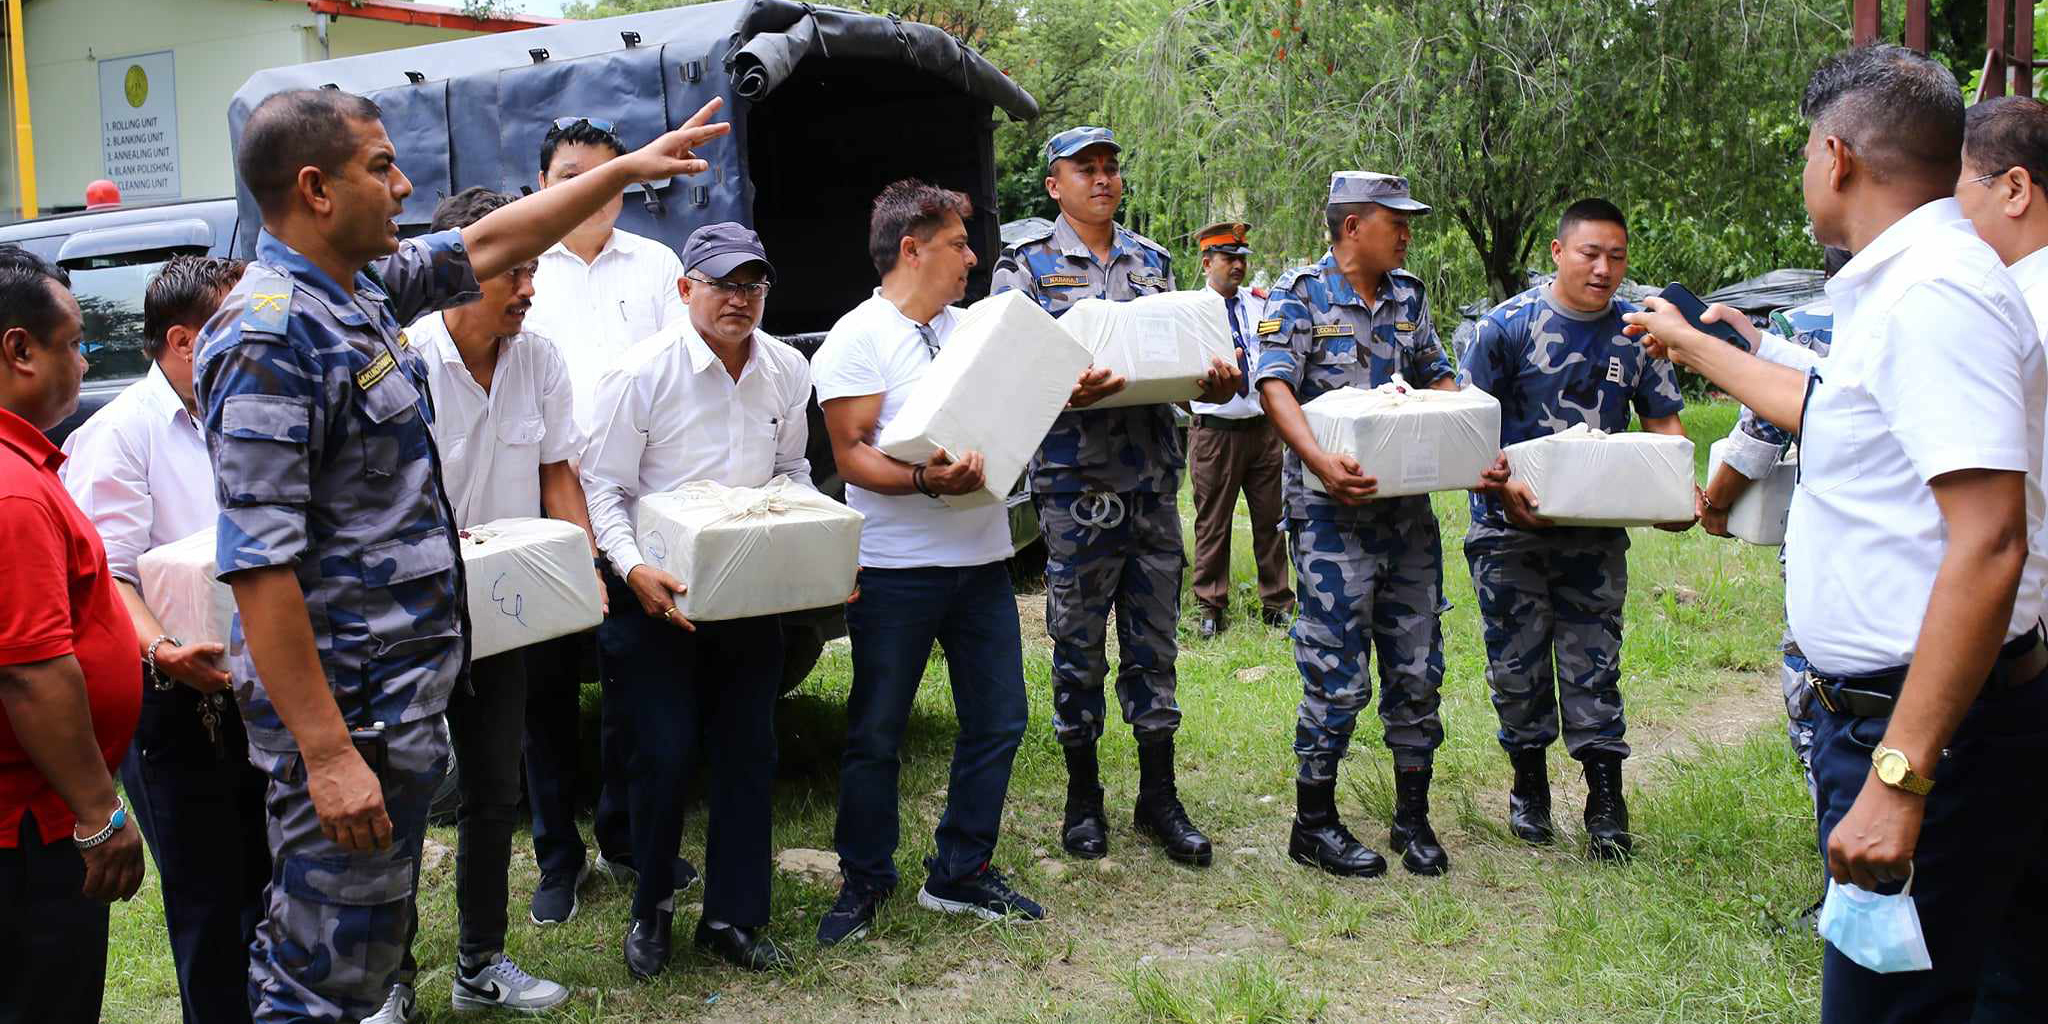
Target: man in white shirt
(1914, 553)
(595, 293)
(139, 470)
(1232, 448)
(707, 399)
(928, 572)
(503, 424)
(2005, 169)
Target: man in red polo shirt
(70, 687)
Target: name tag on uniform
(368, 376)
(1149, 280)
(1272, 326)
(1333, 331)
(1404, 326)
(1063, 280)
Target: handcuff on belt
(1103, 510)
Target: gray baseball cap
(1074, 140)
(1388, 190)
(716, 250)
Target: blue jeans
(972, 613)
(1980, 879)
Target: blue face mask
(1881, 933)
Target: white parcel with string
(529, 580)
(1161, 344)
(1587, 477)
(1002, 377)
(1759, 515)
(746, 551)
(179, 589)
(1412, 441)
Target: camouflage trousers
(1546, 600)
(336, 923)
(1798, 690)
(1097, 561)
(1361, 588)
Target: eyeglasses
(750, 291)
(563, 124)
(1982, 178)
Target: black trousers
(199, 803)
(53, 943)
(553, 749)
(680, 693)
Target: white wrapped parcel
(179, 589)
(1161, 344)
(1759, 515)
(746, 551)
(1412, 441)
(995, 388)
(529, 580)
(1587, 477)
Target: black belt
(2021, 660)
(1207, 422)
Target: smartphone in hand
(1690, 306)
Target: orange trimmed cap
(1227, 238)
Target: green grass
(1693, 930)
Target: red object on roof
(102, 193)
(428, 15)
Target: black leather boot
(647, 944)
(1411, 836)
(1320, 840)
(1159, 813)
(1607, 835)
(1084, 833)
(1529, 801)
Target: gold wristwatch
(1895, 771)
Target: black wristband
(917, 481)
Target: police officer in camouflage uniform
(1370, 570)
(1555, 356)
(335, 533)
(1754, 446)
(1105, 483)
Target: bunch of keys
(210, 707)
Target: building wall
(218, 44)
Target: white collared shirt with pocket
(494, 443)
(139, 470)
(1936, 367)
(668, 413)
(595, 311)
(876, 350)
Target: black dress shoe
(1212, 626)
(647, 944)
(745, 948)
(1277, 619)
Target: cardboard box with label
(528, 580)
(179, 589)
(747, 551)
(1412, 441)
(1586, 477)
(1161, 344)
(1002, 377)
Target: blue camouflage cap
(1388, 190)
(1074, 140)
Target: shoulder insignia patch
(1063, 280)
(1147, 279)
(1333, 331)
(268, 312)
(1272, 326)
(405, 340)
(368, 376)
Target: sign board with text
(139, 126)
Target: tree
(1501, 111)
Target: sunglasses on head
(563, 124)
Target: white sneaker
(501, 985)
(399, 1008)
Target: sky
(545, 8)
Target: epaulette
(1037, 233)
(1149, 244)
(1285, 283)
(267, 299)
